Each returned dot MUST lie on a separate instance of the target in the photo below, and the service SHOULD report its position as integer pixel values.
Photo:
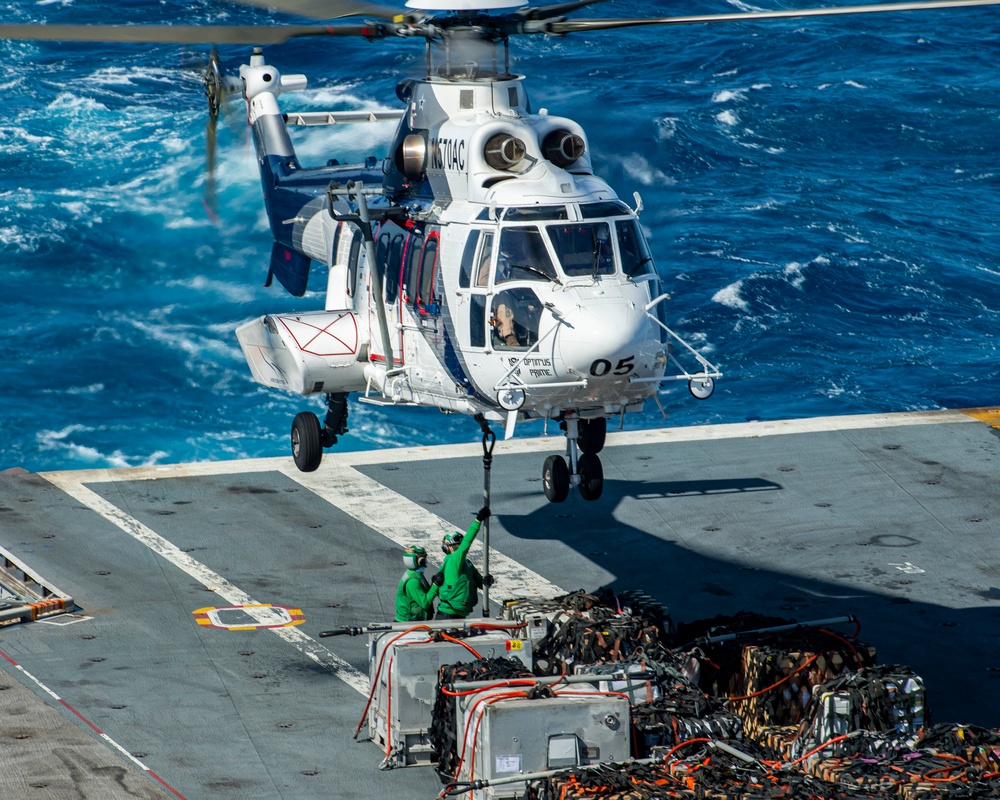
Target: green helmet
(451, 541)
(414, 557)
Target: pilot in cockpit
(503, 326)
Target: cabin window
(468, 259)
(428, 261)
(485, 263)
(382, 254)
(633, 250)
(352, 262)
(477, 320)
(394, 263)
(584, 248)
(514, 318)
(414, 246)
(523, 256)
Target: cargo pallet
(25, 596)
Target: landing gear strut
(309, 439)
(581, 467)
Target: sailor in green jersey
(458, 580)
(414, 595)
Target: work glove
(488, 581)
(484, 513)
(438, 579)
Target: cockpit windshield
(523, 256)
(583, 248)
(633, 249)
(557, 247)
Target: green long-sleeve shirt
(414, 597)
(459, 593)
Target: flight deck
(191, 666)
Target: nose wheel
(555, 479)
(581, 466)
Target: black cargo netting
(756, 658)
(611, 782)
(809, 707)
(597, 628)
(682, 712)
(444, 731)
(882, 699)
(706, 773)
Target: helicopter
(481, 267)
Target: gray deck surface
(893, 518)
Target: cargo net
(444, 732)
(583, 629)
(886, 700)
(680, 714)
(767, 676)
(694, 769)
(699, 768)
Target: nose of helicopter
(607, 340)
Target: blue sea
(822, 198)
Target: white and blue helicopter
(479, 266)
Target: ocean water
(821, 196)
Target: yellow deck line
(990, 415)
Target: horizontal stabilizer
(290, 267)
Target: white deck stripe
(405, 522)
(69, 483)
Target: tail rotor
(218, 87)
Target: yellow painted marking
(990, 415)
(515, 644)
(285, 617)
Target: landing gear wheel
(591, 476)
(701, 387)
(592, 434)
(555, 479)
(307, 449)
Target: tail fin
(290, 267)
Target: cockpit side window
(523, 256)
(634, 251)
(485, 266)
(515, 318)
(468, 259)
(584, 248)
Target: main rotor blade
(328, 9)
(576, 26)
(181, 34)
(557, 10)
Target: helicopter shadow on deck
(669, 557)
